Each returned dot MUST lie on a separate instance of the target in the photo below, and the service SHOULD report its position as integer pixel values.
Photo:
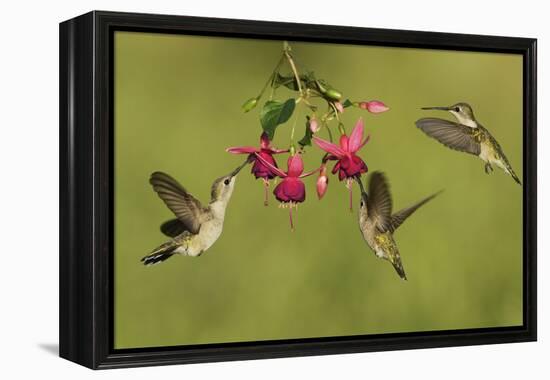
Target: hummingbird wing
(189, 210)
(400, 216)
(453, 135)
(379, 203)
(173, 227)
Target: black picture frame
(86, 191)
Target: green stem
(271, 77)
(340, 124)
(341, 128)
(293, 128)
(294, 71)
(329, 134)
(335, 111)
(309, 105)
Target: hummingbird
(466, 135)
(196, 227)
(377, 223)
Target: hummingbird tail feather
(513, 174)
(159, 255)
(399, 268)
(504, 164)
(394, 258)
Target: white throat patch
(464, 121)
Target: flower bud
(339, 107)
(374, 106)
(322, 182)
(250, 104)
(314, 125)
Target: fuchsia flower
(374, 106)
(291, 190)
(348, 165)
(265, 151)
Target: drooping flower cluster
(291, 190)
(308, 88)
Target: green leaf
(289, 81)
(306, 140)
(275, 113)
(308, 79)
(347, 103)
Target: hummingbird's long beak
(437, 108)
(360, 183)
(239, 168)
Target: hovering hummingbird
(376, 222)
(466, 136)
(196, 227)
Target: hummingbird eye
(226, 182)
(457, 109)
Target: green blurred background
(177, 107)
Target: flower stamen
(266, 189)
(291, 205)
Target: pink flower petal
(275, 170)
(291, 189)
(339, 107)
(344, 143)
(356, 136)
(341, 174)
(241, 149)
(277, 151)
(307, 174)
(351, 166)
(295, 166)
(329, 147)
(336, 167)
(280, 193)
(260, 170)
